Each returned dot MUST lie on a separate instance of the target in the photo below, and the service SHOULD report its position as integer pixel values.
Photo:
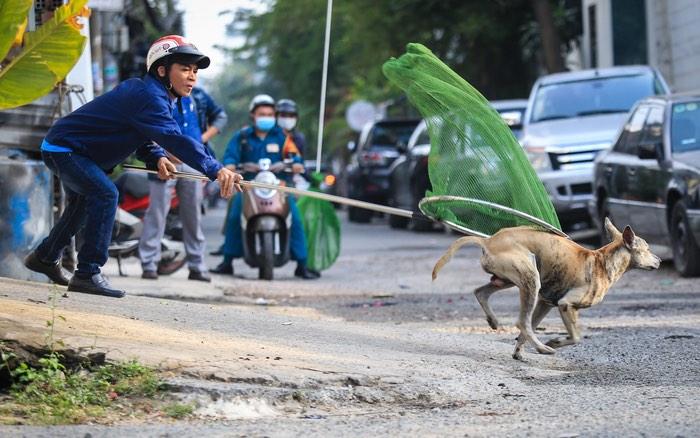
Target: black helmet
(286, 106)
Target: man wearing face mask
(262, 140)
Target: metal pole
(324, 78)
(294, 191)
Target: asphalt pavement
(374, 347)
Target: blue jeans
(91, 202)
(233, 242)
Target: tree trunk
(551, 44)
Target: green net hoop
(473, 155)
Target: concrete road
(375, 347)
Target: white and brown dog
(550, 271)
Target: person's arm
(150, 153)
(215, 115)
(232, 155)
(155, 121)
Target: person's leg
(297, 243)
(84, 177)
(191, 194)
(154, 226)
(46, 258)
(233, 240)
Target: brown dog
(551, 270)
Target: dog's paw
(493, 323)
(544, 349)
(556, 342)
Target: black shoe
(223, 268)
(200, 276)
(217, 252)
(51, 270)
(97, 285)
(305, 273)
(150, 275)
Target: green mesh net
(473, 153)
(321, 227)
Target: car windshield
(391, 134)
(606, 95)
(685, 127)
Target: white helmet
(175, 48)
(259, 100)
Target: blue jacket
(129, 119)
(209, 113)
(254, 148)
(187, 118)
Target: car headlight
(538, 158)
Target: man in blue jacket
(262, 140)
(84, 146)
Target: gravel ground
(375, 347)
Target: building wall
(673, 39)
(674, 27)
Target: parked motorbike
(266, 221)
(128, 226)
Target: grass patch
(178, 410)
(51, 394)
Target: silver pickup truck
(572, 116)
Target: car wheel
(359, 215)
(686, 254)
(398, 222)
(603, 212)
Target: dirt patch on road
(203, 354)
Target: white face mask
(287, 123)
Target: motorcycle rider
(82, 147)
(262, 140)
(190, 193)
(287, 118)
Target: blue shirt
(255, 148)
(187, 119)
(129, 119)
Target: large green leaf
(12, 16)
(47, 57)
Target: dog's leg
(529, 283)
(482, 296)
(541, 310)
(569, 315)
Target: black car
(650, 178)
(409, 179)
(379, 145)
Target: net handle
(518, 213)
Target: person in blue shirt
(84, 146)
(262, 140)
(190, 194)
(210, 116)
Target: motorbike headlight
(538, 158)
(266, 178)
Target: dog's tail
(453, 248)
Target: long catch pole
(294, 191)
(324, 79)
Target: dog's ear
(613, 233)
(628, 237)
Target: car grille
(576, 157)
